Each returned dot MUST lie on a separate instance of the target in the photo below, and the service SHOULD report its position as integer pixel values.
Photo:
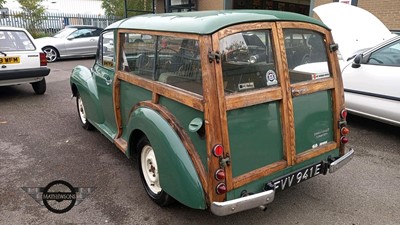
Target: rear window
(248, 61)
(306, 55)
(15, 41)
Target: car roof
(12, 28)
(207, 22)
(82, 26)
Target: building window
(291, 6)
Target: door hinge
(214, 56)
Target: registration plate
(297, 177)
(9, 60)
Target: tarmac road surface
(41, 141)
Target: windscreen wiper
(3, 53)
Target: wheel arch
(178, 175)
(82, 82)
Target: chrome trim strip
(243, 203)
(388, 97)
(337, 164)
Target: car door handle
(298, 92)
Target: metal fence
(50, 23)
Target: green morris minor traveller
(221, 109)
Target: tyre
(39, 87)
(51, 54)
(82, 114)
(149, 174)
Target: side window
(386, 56)
(306, 55)
(137, 54)
(106, 56)
(83, 33)
(248, 61)
(96, 32)
(178, 63)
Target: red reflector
(344, 140)
(220, 174)
(344, 131)
(221, 188)
(218, 150)
(43, 60)
(343, 114)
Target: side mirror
(357, 61)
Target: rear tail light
(344, 140)
(218, 150)
(220, 174)
(343, 114)
(221, 189)
(344, 131)
(43, 60)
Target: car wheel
(39, 87)
(149, 173)
(82, 114)
(51, 54)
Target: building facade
(386, 10)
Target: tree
(117, 7)
(1, 3)
(33, 13)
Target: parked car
(21, 62)
(72, 41)
(370, 61)
(213, 114)
(395, 32)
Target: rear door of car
(276, 116)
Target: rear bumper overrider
(263, 198)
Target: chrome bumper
(243, 203)
(338, 163)
(266, 197)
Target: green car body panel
(178, 176)
(84, 83)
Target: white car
(21, 62)
(370, 61)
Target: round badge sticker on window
(270, 76)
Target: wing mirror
(357, 61)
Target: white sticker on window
(270, 76)
(246, 86)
